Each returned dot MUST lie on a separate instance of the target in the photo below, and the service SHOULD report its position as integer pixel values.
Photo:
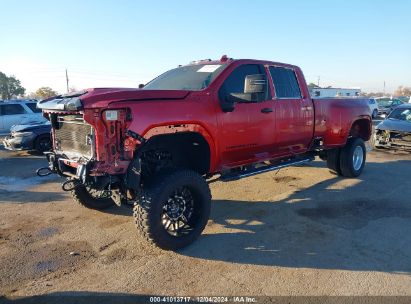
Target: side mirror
(141, 85)
(255, 84)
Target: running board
(232, 176)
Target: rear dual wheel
(352, 158)
(348, 161)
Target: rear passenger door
(294, 112)
(12, 114)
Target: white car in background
(18, 112)
(373, 107)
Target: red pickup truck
(158, 147)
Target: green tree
(313, 85)
(10, 86)
(45, 92)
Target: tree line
(10, 87)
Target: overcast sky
(125, 42)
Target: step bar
(246, 173)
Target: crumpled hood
(102, 97)
(395, 125)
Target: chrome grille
(74, 136)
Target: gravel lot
(299, 231)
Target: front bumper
(18, 143)
(393, 139)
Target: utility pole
(318, 81)
(384, 87)
(67, 81)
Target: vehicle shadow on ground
(22, 197)
(365, 226)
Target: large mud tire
(87, 197)
(174, 209)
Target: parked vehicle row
(15, 112)
(373, 107)
(395, 130)
(24, 125)
(386, 105)
(34, 136)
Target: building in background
(317, 92)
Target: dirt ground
(299, 231)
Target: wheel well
(361, 128)
(183, 150)
(38, 137)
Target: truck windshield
(191, 77)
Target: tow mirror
(255, 83)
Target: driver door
(246, 133)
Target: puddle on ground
(15, 184)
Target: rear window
(285, 83)
(11, 109)
(192, 78)
(33, 107)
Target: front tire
(352, 158)
(92, 198)
(174, 209)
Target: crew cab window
(33, 107)
(11, 109)
(235, 83)
(285, 83)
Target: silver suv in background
(18, 112)
(373, 107)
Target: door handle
(266, 110)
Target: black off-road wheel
(333, 161)
(352, 158)
(92, 198)
(174, 209)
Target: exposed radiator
(74, 136)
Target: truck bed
(343, 111)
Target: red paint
(241, 137)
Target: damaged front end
(393, 139)
(91, 148)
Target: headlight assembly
(73, 104)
